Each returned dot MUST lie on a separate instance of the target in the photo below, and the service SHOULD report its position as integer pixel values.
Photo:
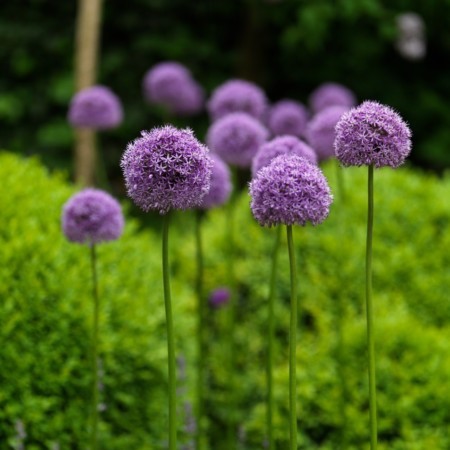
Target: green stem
(340, 180)
(369, 311)
(170, 336)
(292, 344)
(95, 396)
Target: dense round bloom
(236, 138)
(370, 134)
(289, 191)
(219, 297)
(282, 145)
(166, 168)
(331, 94)
(220, 188)
(95, 107)
(321, 131)
(237, 96)
(288, 117)
(92, 216)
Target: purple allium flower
(166, 168)
(282, 145)
(331, 94)
(236, 138)
(237, 96)
(220, 184)
(288, 117)
(321, 131)
(170, 84)
(95, 107)
(374, 134)
(92, 216)
(290, 190)
(219, 297)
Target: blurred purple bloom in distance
(219, 297)
(331, 94)
(290, 191)
(220, 186)
(96, 107)
(288, 117)
(166, 168)
(236, 138)
(92, 216)
(374, 134)
(282, 145)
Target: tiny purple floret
(331, 94)
(288, 117)
(219, 297)
(220, 188)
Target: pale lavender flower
(92, 216)
(288, 117)
(220, 189)
(331, 94)
(166, 168)
(219, 297)
(370, 134)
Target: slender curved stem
(95, 333)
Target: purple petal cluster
(321, 131)
(92, 216)
(220, 188)
(290, 190)
(331, 94)
(219, 297)
(166, 168)
(96, 107)
(237, 96)
(282, 145)
(171, 84)
(288, 117)
(236, 138)
(374, 134)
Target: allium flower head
(289, 191)
(288, 117)
(219, 297)
(96, 107)
(220, 184)
(282, 145)
(92, 216)
(237, 96)
(236, 138)
(166, 168)
(321, 131)
(374, 134)
(331, 94)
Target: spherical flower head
(92, 216)
(96, 107)
(370, 134)
(166, 168)
(237, 96)
(321, 131)
(219, 297)
(290, 191)
(331, 94)
(282, 145)
(288, 117)
(220, 189)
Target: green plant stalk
(292, 344)
(340, 180)
(95, 334)
(170, 336)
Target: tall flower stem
(95, 333)
(369, 312)
(170, 335)
(292, 344)
(340, 181)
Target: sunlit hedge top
(288, 117)
(331, 94)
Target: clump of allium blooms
(237, 96)
(220, 188)
(282, 145)
(95, 107)
(321, 131)
(171, 84)
(236, 138)
(289, 191)
(331, 94)
(92, 216)
(166, 168)
(370, 134)
(219, 297)
(288, 117)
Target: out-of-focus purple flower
(219, 297)
(95, 107)
(321, 131)
(92, 216)
(374, 134)
(236, 138)
(171, 84)
(166, 168)
(288, 117)
(411, 40)
(220, 188)
(331, 94)
(237, 96)
(410, 24)
(289, 191)
(282, 145)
